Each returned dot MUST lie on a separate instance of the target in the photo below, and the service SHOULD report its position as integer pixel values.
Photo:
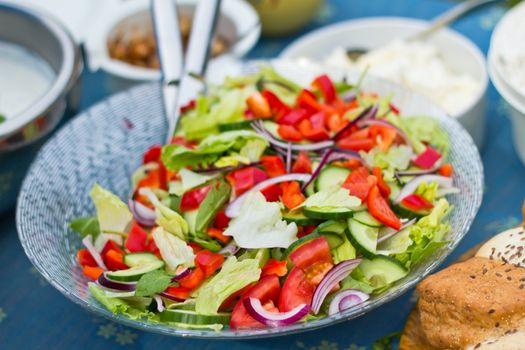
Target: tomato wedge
(315, 251)
(380, 210)
(267, 289)
(303, 164)
(289, 133)
(273, 165)
(296, 290)
(137, 237)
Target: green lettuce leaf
(260, 225)
(211, 149)
(112, 213)
(174, 251)
(86, 226)
(428, 191)
(167, 218)
(233, 276)
(396, 158)
(422, 130)
(345, 251)
(332, 197)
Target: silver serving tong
(183, 77)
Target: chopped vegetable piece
(383, 186)
(217, 234)
(244, 179)
(272, 193)
(85, 258)
(137, 237)
(416, 202)
(259, 106)
(191, 200)
(275, 267)
(446, 170)
(428, 158)
(296, 290)
(302, 164)
(152, 154)
(326, 86)
(292, 196)
(273, 165)
(208, 262)
(289, 133)
(380, 209)
(92, 272)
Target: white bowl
(237, 13)
(459, 53)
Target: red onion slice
(88, 243)
(259, 128)
(104, 281)
(346, 299)
(273, 319)
(230, 249)
(416, 172)
(387, 232)
(170, 297)
(412, 185)
(382, 122)
(159, 302)
(330, 280)
(181, 273)
(343, 154)
(234, 208)
(317, 171)
(144, 215)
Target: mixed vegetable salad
(273, 204)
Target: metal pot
(22, 135)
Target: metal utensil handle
(203, 28)
(450, 16)
(169, 41)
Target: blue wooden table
(33, 315)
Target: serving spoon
(435, 24)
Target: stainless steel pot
(22, 135)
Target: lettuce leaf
(112, 213)
(332, 197)
(192, 179)
(345, 251)
(233, 276)
(174, 251)
(421, 130)
(260, 225)
(212, 148)
(429, 191)
(396, 158)
(167, 218)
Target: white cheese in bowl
(418, 66)
(24, 78)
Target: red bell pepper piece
(446, 170)
(208, 261)
(193, 280)
(303, 164)
(428, 158)
(111, 245)
(289, 133)
(313, 134)
(137, 237)
(152, 247)
(217, 234)
(180, 293)
(278, 107)
(416, 202)
(152, 154)
(221, 220)
(92, 272)
(244, 179)
(259, 105)
(188, 107)
(191, 200)
(383, 186)
(114, 260)
(307, 100)
(327, 88)
(275, 267)
(293, 117)
(292, 195)
(85, 258)
(274, 165)
(360, 182)
(354, 144)
(383, 135)
(272, 193)
(196, 247)
(318, 120)
(380, 210)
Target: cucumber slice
(135, 273)
(139, 259)
(325, 213)
(404, 212)
(191, 317)
(363, 237)
(240, 125)
(334, 239)
(299, 218)
(367, 219)
(382, 270)
(331, 176)
(332, 226)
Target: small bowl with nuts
(122, 42)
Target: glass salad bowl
(105, 145)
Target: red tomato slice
(137, 237)
(293, 117)
(208, 261)
(380, 210)
(289, 133)
(193, 280)
(274, 165)
(267, 289)
(356, 144)
(275, 267)
(296, 290)
(191, 200)
(315, 251)
(303, 164)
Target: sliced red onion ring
(170, 297)
(343, 154)
(412, 185)
(368, 112)
(159, 302)
(317, 171)
(416, 172)
(330, 280)
(181, 273)
(382, 122)
(88, 243)
(346, 299)
(289, 158)
(388, 232)
(258, 126)
(230, 249)
(104, 281)
(144, 215)
(273, 319)
(234, 208)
